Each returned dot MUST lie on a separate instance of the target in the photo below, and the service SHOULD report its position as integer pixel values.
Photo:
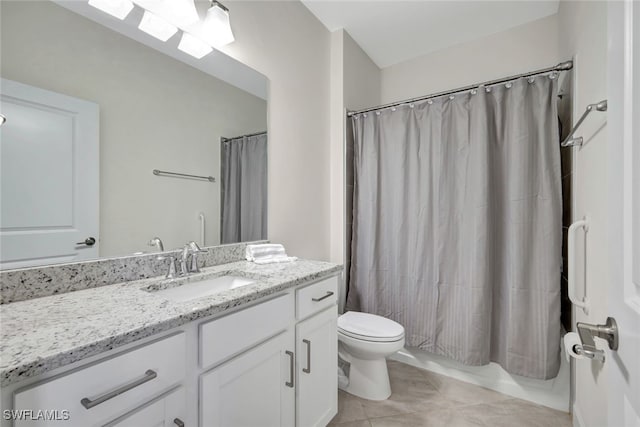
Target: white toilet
(364, 341)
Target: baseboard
(577, 417)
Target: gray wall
(286, 43)
(523, 48)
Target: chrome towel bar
(183, 175)
(570, 140)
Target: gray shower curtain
(243, 194)
(457, 224)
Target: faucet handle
(195, 250)
(193, 246)
(171, 273)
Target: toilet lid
(369, 327)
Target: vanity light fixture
(118, 8)
(157, 27)
(163, 18)
(181, 13)
(194, 46)
(216, 28)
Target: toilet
(365, 341)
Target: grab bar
(584, 303)
(202, 225)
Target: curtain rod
(563, 66)
(223, 139)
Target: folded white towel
(267, 253)
(275, 259)
(260, 246)
(268, 249)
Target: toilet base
(369, 379)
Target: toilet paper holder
(587, 331)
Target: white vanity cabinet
(317, 349)
(271, 364)
(289, 379)
(99, 392)
(256, 388)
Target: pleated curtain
(457, 224)
(243, 171)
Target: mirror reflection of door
(49, 171)
(243, 188)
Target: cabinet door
(255, 388)
(167, 411)
(317, 350)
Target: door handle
(89, 241)
(307, 370)
(291, 368)
(608, 332)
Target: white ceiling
(393, 31)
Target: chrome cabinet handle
(148, 376)
(178, 422)
(329, 293)
(291, 368)
(307, 370)
(89, 241)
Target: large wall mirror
(114, 138)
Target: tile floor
(422, 398)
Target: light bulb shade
(182, 13)
(194, 46)
(157, 27)
(216, 28)
(118, 8)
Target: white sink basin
(203, 288)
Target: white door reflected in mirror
(49, 177)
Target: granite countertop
(42, 334)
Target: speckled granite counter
(42, 334)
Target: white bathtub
(554, 393)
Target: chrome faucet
(192, 250)
(157, 243)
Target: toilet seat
(369, 327)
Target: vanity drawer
(108, 388)
(232, 334)
(314, 298)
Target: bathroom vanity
(137, 354)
